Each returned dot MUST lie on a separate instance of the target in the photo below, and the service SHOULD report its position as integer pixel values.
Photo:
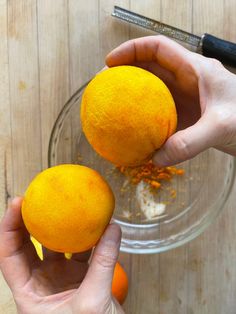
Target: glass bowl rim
(141, 246)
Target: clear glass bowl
(191, 201)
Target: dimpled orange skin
(120, 284)
(67, 208)
(127, 113)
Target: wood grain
(7, 303)
(53, 47)
(112, 32)
(83, 22)
(230, 22)
(24, 92)
(48, 49)
(5, 114)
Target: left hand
(56, 284)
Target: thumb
(186, 144)
(99, 277)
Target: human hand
(57, 285)
(203, 90)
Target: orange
(120, 283)
(127, 113)
(67, 208)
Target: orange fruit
(127, 113)
(67, 208)
(119, 283)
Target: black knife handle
(224, 51)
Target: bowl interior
(151, 221)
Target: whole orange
(127, 113)
(67, 208)
(120, 283)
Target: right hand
(203, 90)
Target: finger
(103, 69)
(228, 149)
(187, 143)
(16, 250)
(160, 49)
(98, 279)
(82, 257)
(165, 75)
(12, 229)
(52, 255)
(12, 221)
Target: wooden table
(48, 49)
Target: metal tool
(208, 45)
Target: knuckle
(161, 37)
(222, 118)
(90, 306)
(216, 63)
(87, 308)
(210, 67)
(106, 260)
(221, 124)
(179, 148)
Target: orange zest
(151, 174)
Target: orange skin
(67, 208)
(127, 113)
(120, 283)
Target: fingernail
(158, 162)
(103, 69)
(112, 234)
(17, 198)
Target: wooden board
(48, 49)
